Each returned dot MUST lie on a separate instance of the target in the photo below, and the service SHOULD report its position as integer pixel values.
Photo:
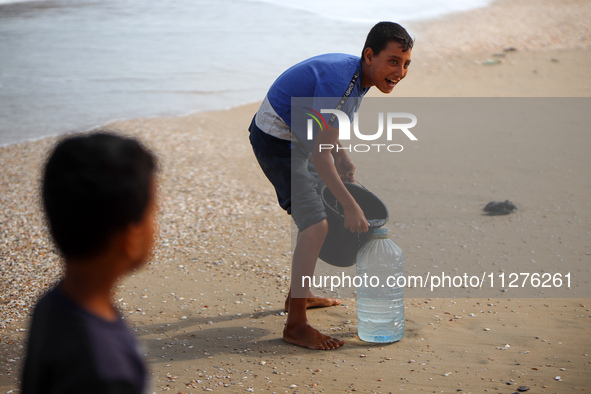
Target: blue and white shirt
(324, 76)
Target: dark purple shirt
(71, 350)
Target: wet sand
(208, 307)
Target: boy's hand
(355, 220)
(331, 170)
(345, 168)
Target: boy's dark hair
(93, 186)
(382, 33)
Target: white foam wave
(379, 10)
(16, 1)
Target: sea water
(69, 65)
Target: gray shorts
(307, 206)
(289, 169)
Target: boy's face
(387, 68)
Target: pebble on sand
(495, 208)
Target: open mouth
(392, 82)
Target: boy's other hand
(355, 220)
(345, 168)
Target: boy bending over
(297, 168)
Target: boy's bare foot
(307, 336)
(315, 302)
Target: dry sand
(208, 307)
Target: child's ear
(368, 55)
(135, 242)
(138, 238)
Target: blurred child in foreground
(99, 197)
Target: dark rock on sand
(495, 208)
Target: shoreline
(125, 119)
(208, 306)
(541, 62)
(489, 43)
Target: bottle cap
(380, 232)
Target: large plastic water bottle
(380, 303)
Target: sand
(208, 307)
